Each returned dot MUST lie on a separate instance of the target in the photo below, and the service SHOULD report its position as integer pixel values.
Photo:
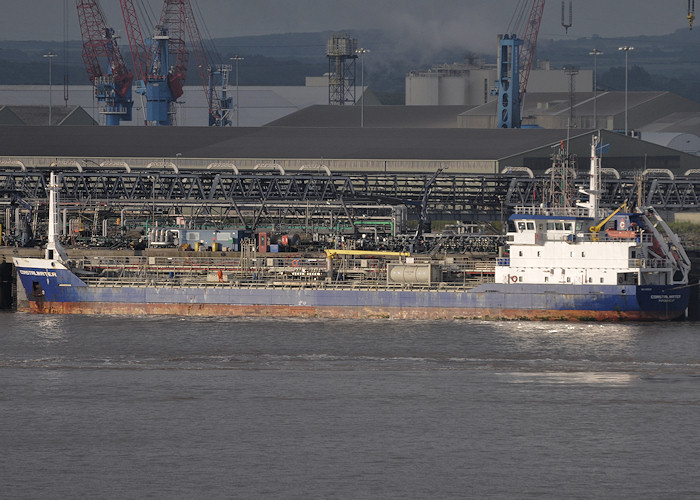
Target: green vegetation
(685, 228)
(689, 233)
(640, 79)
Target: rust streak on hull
(340, 312)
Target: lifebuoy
(514, 279)
(295, 263)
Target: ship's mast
(559, 189)
(593, 191)
(54, 249)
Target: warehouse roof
(273, 142)
(39, 115)
(607, 103)
(374, 116)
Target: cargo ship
(561, 263)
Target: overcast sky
(472, 24)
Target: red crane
(99, 42)
(178, 17)
(113, 80)
(527, 50)
(135, 36)
(174, 18)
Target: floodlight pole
(595, 53)
(626, 49)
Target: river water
(129, 407)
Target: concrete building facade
(471, 85)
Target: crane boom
(173, 17)
(178, 17)
(113, 83)
(206, 70)
(135, 37)
(527, 50)
(99, 41)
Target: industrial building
(39, 115)
(473, 84)
(258, 104)
(586, 110)
(341, 150)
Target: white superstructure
(581, 247)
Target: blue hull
(60, 291)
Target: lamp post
(595, 53)
(237, 58)
(362, 52)
(50, 55)
(626, 49)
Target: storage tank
(413, 274)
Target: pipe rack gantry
(458, 196)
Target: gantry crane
(160, 69)
(515, 61)
(104, 63)
(178, 17)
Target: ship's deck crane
(100, 50)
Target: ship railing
(476, 265)
(193, 269)
(650, 263)
(552, 211)
(194, 265)
(598, 237)
(129, 265)
(360, 284)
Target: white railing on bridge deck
(554, 211)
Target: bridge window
(568, 226)
(531, 226)
(550, 226)
(559, 226)
(521, 226)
